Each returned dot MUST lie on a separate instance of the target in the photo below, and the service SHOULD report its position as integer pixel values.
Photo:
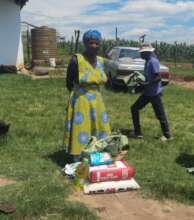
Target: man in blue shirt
(152, 94)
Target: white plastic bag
(111, 186)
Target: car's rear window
(129, 53)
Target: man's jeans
(157, 105)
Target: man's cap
(146, 48)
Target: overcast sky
(162, 20)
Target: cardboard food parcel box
(119, 170)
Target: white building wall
(11, 52)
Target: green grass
(182, 69)
(160, 167)
(35, 110)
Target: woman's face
(92, 47)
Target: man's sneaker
(139, 136)
(134, 135)
(165, 139)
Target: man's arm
(156, 79)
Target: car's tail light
(165, 75)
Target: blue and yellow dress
(86, 115)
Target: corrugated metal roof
(21, 2)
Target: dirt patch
(183, 81)
(4, 181)
(181, 78)
(188, 85)
(131, 206)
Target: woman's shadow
(61, 158)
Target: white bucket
(52, 62)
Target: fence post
(175, 54)
(71, 46)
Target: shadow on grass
(117, 89)
(125, 131)
(61, 158)
(185, 160)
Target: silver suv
(120, 62)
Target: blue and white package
(100, 158)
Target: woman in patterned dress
(86, 115)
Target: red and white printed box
(119, 170)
